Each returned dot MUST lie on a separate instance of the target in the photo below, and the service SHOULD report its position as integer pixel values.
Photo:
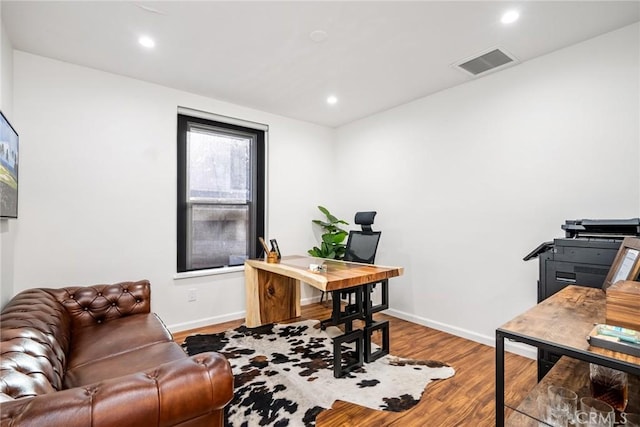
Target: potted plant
(332, 245)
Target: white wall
(98, 186)
(467, 181)
(7, 234)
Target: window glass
(219, 235)
(219, 165)
(221, 196)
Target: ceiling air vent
(489, 61)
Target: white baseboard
(517, 348)
(207, 321)
(311, 300)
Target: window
(221, 192)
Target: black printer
(583, 257)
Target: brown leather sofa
(96, 356)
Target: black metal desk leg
(499, 379)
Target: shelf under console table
(560, 324)
(569, 373)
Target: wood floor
(467, 399)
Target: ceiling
(376, 55)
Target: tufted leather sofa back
(91, 305)
(37, 326)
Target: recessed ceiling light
(331, 100)
(318, 36)
(510, 17)
(146, 41)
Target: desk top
(565, 320)
(339, 274)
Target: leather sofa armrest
(171, 394)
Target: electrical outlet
(192, 295)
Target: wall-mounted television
(8, 169)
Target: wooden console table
(273, 295)
(560, 324)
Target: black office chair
(362, 245)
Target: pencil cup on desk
(272, 258)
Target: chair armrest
(171, 394)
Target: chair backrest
(362, 246)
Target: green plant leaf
(342, 235)
(335, 238)
(332, 245)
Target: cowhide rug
(284, 375)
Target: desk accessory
(264, 245)
(275, 248)
(272, 256)
(616, 339)
(626, 335)
(318, 268)
(626, 265)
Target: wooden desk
(561, 324)
(273, 290)
(273, 295)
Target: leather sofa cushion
(138, 360)
(93, 343)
